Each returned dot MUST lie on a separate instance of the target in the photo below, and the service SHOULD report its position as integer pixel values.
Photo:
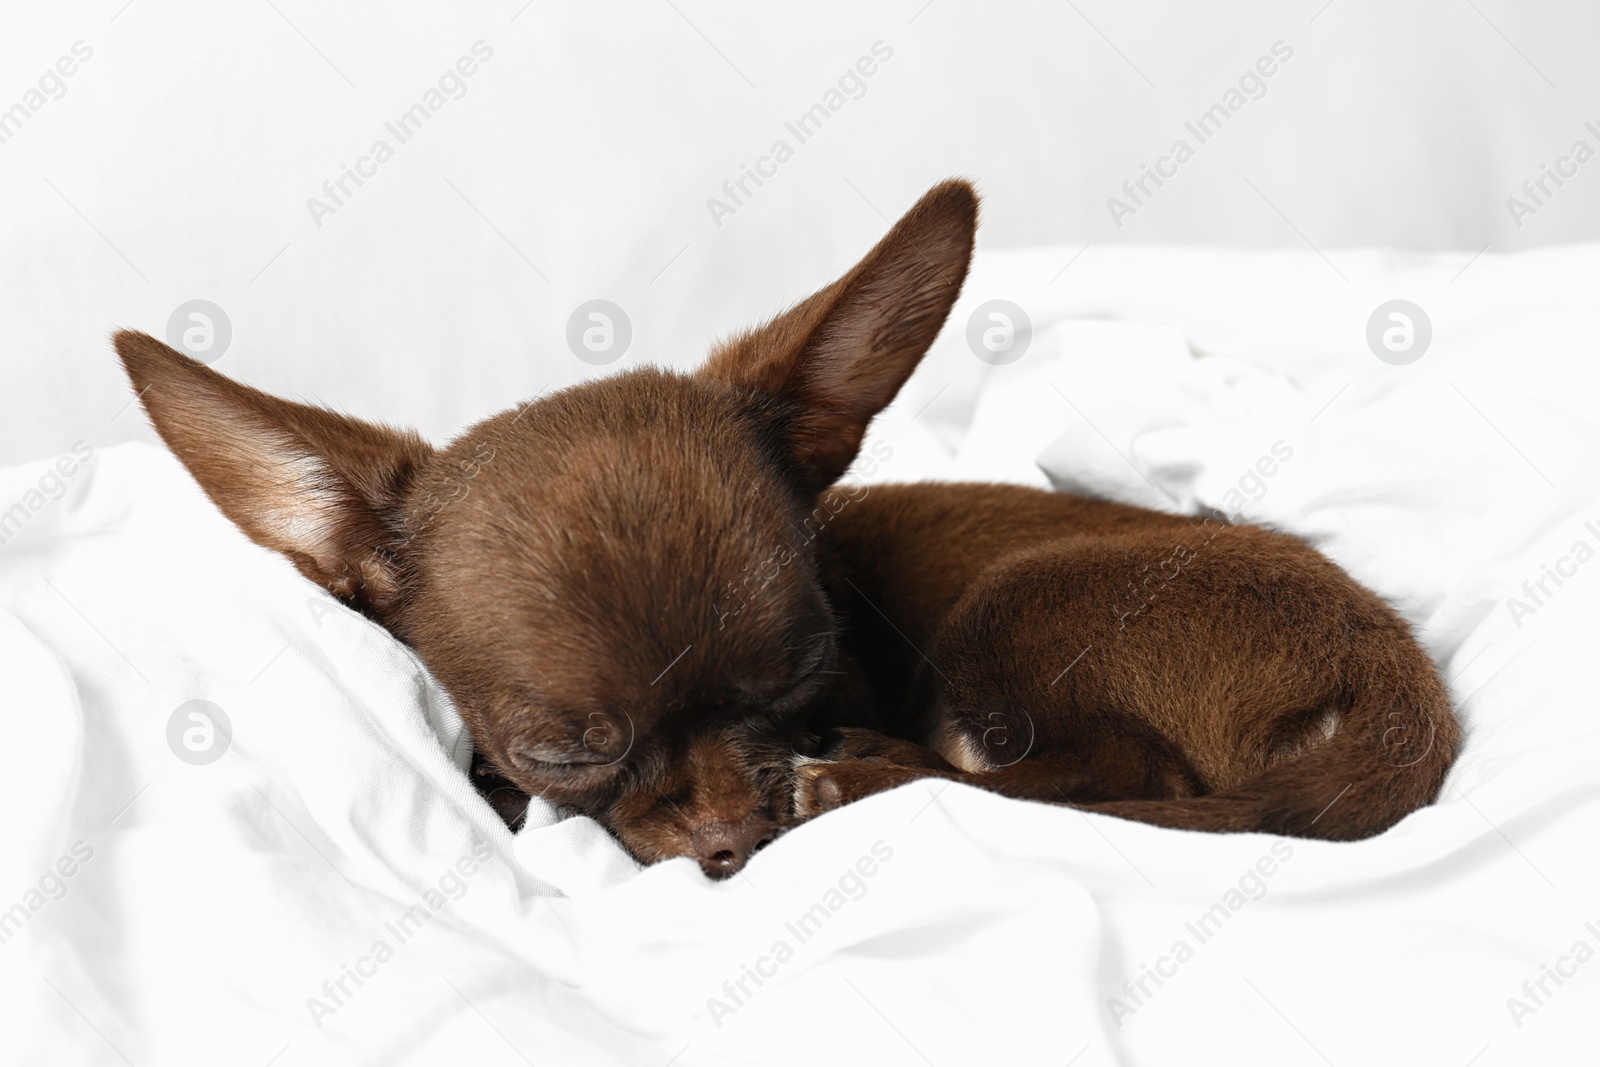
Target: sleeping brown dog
(652, 604)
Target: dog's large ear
(836, 359)
(323, 489)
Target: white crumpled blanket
(329, 890)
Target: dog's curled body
(1179, 670)
(629, 592)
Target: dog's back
(1232, 673)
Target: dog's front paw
(822, 784)
(805, 802)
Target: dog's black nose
(723, 847)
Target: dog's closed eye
(598, 738)
(566, 779)
(813, 672)
(561, 757)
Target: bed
(240, 829)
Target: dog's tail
(1387, 757)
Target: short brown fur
(651, 608)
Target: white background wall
(179, 160)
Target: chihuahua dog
(567, 568)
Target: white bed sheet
(208, 904)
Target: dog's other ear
(839, 357)
(323, 489)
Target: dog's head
(615, 583)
